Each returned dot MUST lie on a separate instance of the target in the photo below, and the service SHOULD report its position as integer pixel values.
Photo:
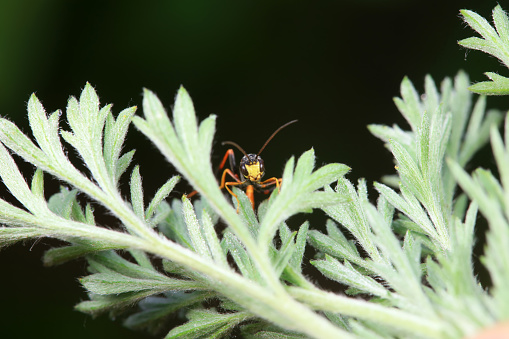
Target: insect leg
(271, 181)
(226, 184)
(250, 195)
(233, 176)
(230, 155)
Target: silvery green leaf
(62, 203)
(114, 135)
(494, 41)
(16, 184)
(498, 85)
(241, 257)
(37, 185)
(246, 211)
(402, 272)
(174, 226)
(12, 235)
(212, 240)
(155, 308)
(110, 262)
(345, 273)
(160, 195)
(141, 258)
(335, 233)
(501, 22)
(203, 323)
(298, 192)
(114, 283)
(409, 105)
(395, 133)
(206, 132)
(284, 254)
(114, 304)
(350, 214)
(431, 99)
(137, 193)
(186, 125)
(342, 250)
(457, 102)
(408, 169)
(412, 249)
(479, 24)
(12, 137)
(59, 255)
(194, 229)
(45, 130)
(300, 247)
(409, 206)
(123, 162)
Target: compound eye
(243, 170)
(262, 165)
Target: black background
(334, 65)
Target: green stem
(407, 322)
(279, 308)
(217, 201)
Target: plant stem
(407, 322)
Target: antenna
(234, 144)
(270, 138)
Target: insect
(252, 170)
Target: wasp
(252, 170)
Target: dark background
(334, 65)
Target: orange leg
(237, 182)
(226, 184)
(263, 184)
(249, 189)
(192, 194)
(228, 155)
(250, 195)
(271, 181)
